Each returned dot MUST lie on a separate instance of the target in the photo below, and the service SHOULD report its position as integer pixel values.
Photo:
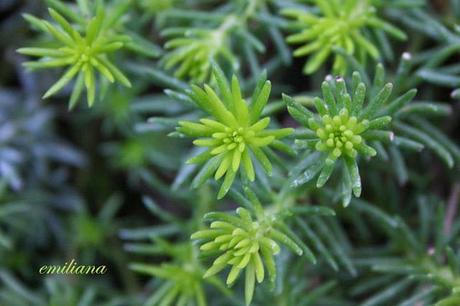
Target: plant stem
(452, 207)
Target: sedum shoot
(339, 130)
(340, 24)
(235, 135)
(85, 54)
(245, 245)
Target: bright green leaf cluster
(340, 135)
(340, 129)
(342, 24)
(85, 53)
(191, 51)
(410, 121)
(245, 244)
(182, 284)
(182, 278)
(235, 134)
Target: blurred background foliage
(107, 185)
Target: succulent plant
(201, 121)
(86, 53)
(183, 281)
(191, 51)
(340, 24)
(340, 129)
(235, 135)
(245, 245)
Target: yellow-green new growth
(86, 54)
(235, 134)
(245, 245)
(340, 24)
(340, 135)
(341, 130)
(192, 50)
(180, 281)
